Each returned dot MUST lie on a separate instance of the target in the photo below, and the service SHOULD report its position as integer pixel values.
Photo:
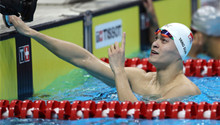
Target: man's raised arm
(69, 52)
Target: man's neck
(169, 73)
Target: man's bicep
(102, 71)
(135, 73)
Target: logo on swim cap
(190, 37)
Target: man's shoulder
(188, 89)
(186, 86)
(140, 79)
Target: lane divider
(191, 67)
(64, 110)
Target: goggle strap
(157, 31)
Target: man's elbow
(198, 92)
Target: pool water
(107, 121)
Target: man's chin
(155, 61)
(152, 60)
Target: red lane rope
(192, 67)
(64, 110)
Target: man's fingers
(112, 48)
(123, 41)
(116, 46)
(11, 19)
(14, 20)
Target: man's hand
(117, 55)
(117, 60)
(148, 4)
(19, 25)
(149, 7)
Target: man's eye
(164, 40)
(156, 37)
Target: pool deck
(57, 12)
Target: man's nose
(155, 44)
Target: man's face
(163, 51)
(212, 46)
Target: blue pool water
(107, 121)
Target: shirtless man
(166, 55)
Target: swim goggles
(164, 33)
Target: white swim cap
(207, 20)
(182, 36)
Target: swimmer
(206, 29)
(172, 43)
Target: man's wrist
(118, 70)
(32, 33)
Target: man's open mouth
(154, 52)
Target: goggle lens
(164, 33)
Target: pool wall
(8, 69)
